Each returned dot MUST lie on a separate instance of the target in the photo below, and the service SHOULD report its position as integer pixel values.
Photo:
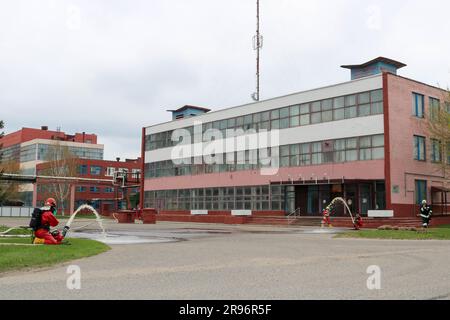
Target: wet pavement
(204, 261)
(131, 234)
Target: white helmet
(424, 202)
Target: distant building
(364, 140)
(30, 147)
(95, 185)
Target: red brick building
(94, 185)
(30, 147)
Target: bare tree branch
(61, 162)
(438, 127)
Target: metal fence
(16, 211)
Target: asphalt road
(228, 262)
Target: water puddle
(116, 239)
(322, 231)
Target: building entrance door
(301, 199)
(365, 196)
(351, 195)
(337, 192)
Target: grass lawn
(15, 231)
(13, 257)
(441, 233)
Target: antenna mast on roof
(257, 45)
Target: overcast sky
(111, 67)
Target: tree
(438, 127)
(60, 162)
(8, 190)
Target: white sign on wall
(244, 213)
(199, 212)
(381, 213)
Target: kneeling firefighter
(41, 221)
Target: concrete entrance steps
(279, 219)
(373, 223)
(344, 222)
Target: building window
(80, 189)
(295, 121)
(339, 114)
(436, 153)
(316, 117)
(421, 191)
(96, 170)
(418, 105)
(448, 153)
(94, 189)
(305, 119)
(434, 108)
(419, 148)
(110, 171)
(350, 112)
(295, 110)
(82, 169)
(376, 96)
(109, 190)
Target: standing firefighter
(326, 217)
(41, 221)
(425, 214)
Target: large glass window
(304, 108)
(305, 120)
(28, 153)
(295, 110)
(327, 116)
(339, 103)
(418, 105)
(82, 169)
(284, 123)
(275, 114)
(96, 170)
(315, 106)
(327, 105)
(376, 95)
(94, 189)
(294, 121)
(364, 98)
(350, 100)
(434, 108)
(284, 113)
(350, 112)
(436, 150)
(421, 191)
(316, 117)
(419, 148)
(364, 110)
(339, 114)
